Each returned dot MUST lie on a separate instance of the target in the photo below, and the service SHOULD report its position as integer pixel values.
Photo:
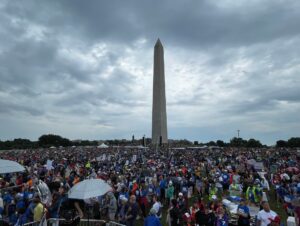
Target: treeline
(46, 141)
(235, 142)
(293, 142)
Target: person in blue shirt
(131, 211)
(54, 208)
(152, 219)
(12, 216)
(225, 182)
(7, 198)
(30, 210)
(243, 213)
(21, 217)
(20, 203)
(162, 186)
(221, 217)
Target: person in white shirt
(1, 206)
(266, 215)
(157, 206)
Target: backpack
(67, 211)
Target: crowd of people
(153, 186)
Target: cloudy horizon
(84, 71)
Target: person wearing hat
(266, 216)
(170, 192)
(235, 189)
(253, 194)
(152, 219)
(181, 205)
(122, 209)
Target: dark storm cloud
(191, 23)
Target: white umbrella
(89, 189)
(7, 166)
(44, 193)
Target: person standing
(132, 211)
(39, 210)
(266, 215)
(222, 218)
(212, 192)
(122, 210)
(244, 214)
(193, 210)
(152, 219)
(112, 206)
(173, 214)
(170, 192)
(162, 186)
(157, 207)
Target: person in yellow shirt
(39, 209)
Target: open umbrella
(44, 193)
(89, 189)
(7, 166)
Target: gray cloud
(85, 69)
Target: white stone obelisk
(159, 113)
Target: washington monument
(159, 113)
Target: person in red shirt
(201, 204)
(193, 210)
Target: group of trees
(44, 141)
(291, 143)
(18, 144)
(57, 141)
(234, 142)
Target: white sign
(134, 157)
(49, 164)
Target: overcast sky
(83, 69)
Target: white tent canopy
(102, 146)
(7, 166)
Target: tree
(53, 140)
(221, 143)
(294, 142)
(281, 144)
(237, 142)
(211, 143)
(252, 143)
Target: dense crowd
(182, 186)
